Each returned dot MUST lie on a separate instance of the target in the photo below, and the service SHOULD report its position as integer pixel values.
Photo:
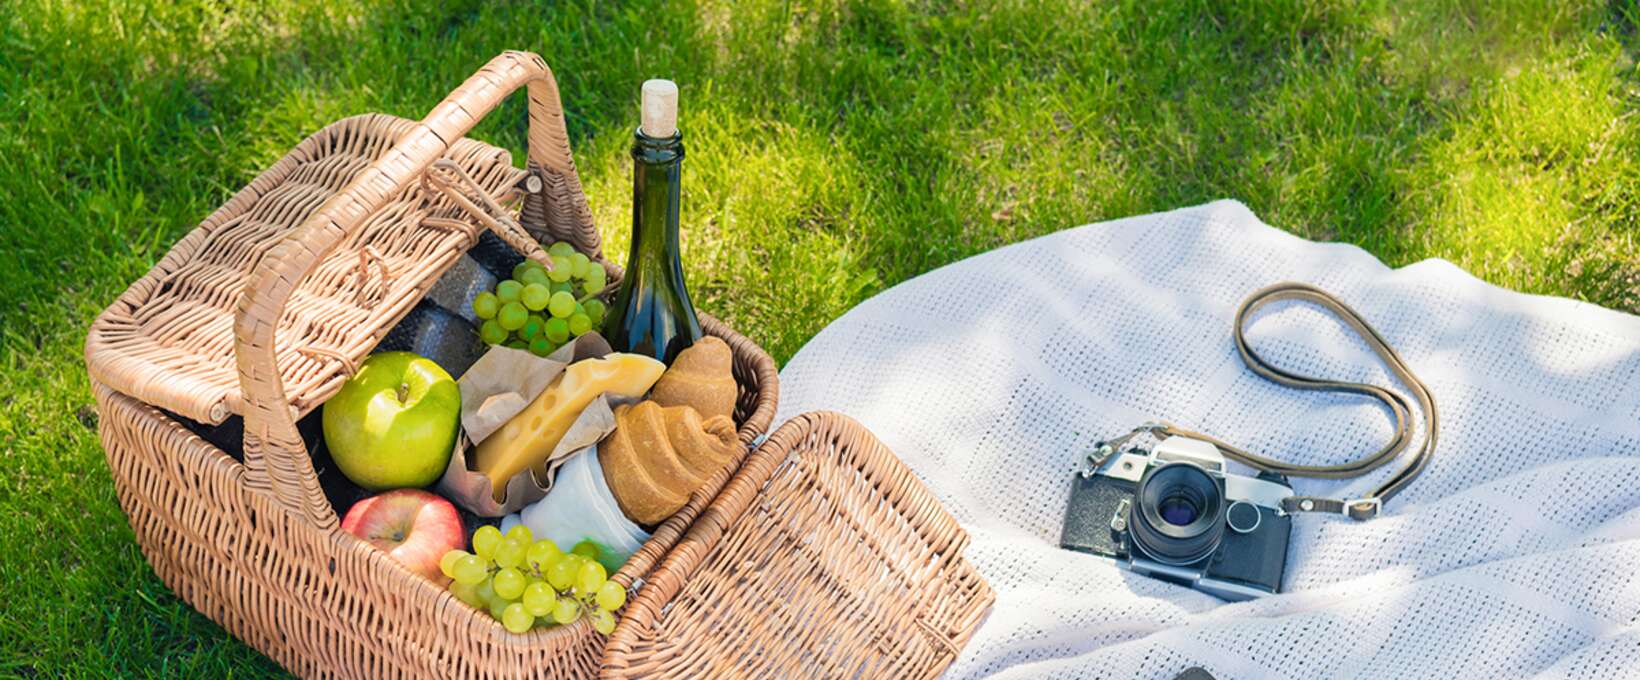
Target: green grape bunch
(526, 583)
(541, 310)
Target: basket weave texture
(319, 257)
(824, 557)
(169, 339)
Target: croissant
(657, 457)
(701, 378)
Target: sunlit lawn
(835, 149)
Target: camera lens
(1178, 511)
(1178, 516)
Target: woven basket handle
(276, 460)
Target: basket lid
(824, 556)
(169, 339)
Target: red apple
(412, 526)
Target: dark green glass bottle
(652, 314)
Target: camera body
(1176, 514)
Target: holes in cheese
(526, 440)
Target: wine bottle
(652, 314)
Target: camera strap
(1368, 506)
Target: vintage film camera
(1177, 514)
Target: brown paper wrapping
(497, 387)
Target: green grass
(836, 148)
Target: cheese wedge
(528, 439)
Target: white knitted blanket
(1517, 552)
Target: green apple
(393, 425)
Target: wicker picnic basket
(822, 555)
(259, 314)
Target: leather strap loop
(1368, 506)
